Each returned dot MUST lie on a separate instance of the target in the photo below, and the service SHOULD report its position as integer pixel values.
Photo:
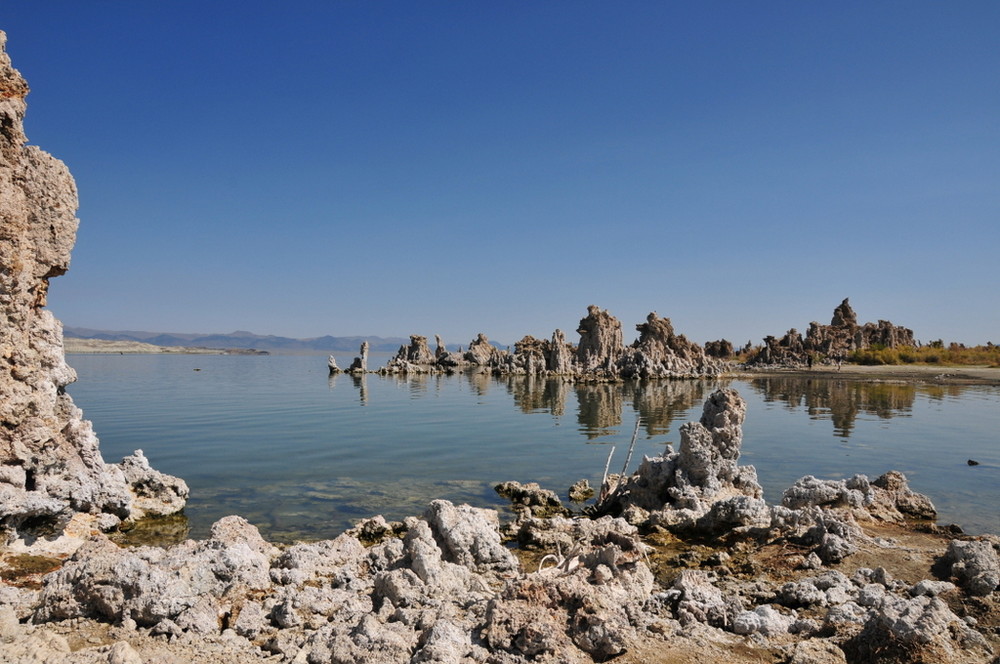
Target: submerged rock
(532, 499)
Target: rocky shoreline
(677, 561)
(680, 561)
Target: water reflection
(361, 384)
(841, 401)
(660, 403)
(600, 407)
(532, 394)
(479, 383)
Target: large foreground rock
(50, 464)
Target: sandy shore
(74, 345)
(103, 346)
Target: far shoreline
(75, 346)
(906, 373)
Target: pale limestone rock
(658, 352)
(360, 363)
(600, 340)
(920, 629)
(560, 356)
(764, 619)
(48, 451)
(470, 537)
(832, 342)
(887, 498)
(331, 363)
(975, 565)
(481, 351)
(702, 484)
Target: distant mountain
(241, 339)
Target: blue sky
(394, 168)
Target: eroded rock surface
(831, 342)
(599, 356)
(50, 464)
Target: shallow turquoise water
(300, 454)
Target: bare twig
(553, 556)
(606, 466)
(635, 435)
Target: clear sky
(392, 168)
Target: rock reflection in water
(600, 407)
(479, 382)
(841, 401)
(360, 383)
(660, 403)
(532, 394)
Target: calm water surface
(303, 455)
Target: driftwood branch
(607, 465)
(631, 447)
(607, 493)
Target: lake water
(304, 455)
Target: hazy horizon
(629, 334)
(311, 169)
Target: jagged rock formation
(360, 363)
(447, 591)
(722, 349)
(50, 465)
(599, 356)
(600, 340)
(481, 351)
(414, 358)
(695, 486)
(417, 352)
(831, 342)
(559, 358)
(659, 352)
(701, 488)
